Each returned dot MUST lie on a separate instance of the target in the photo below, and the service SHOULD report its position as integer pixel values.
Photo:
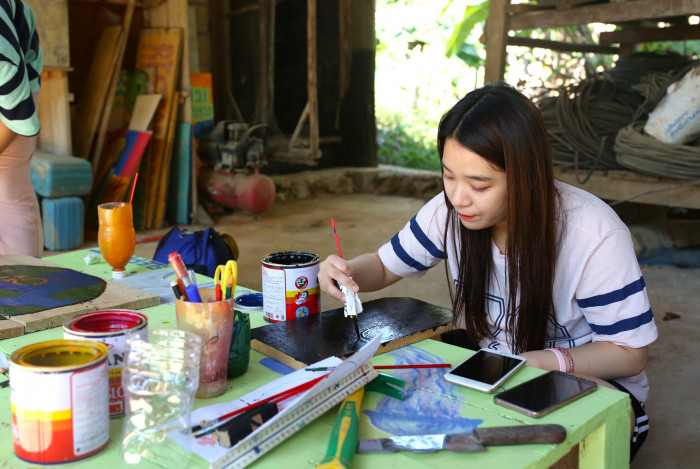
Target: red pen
(180, 273)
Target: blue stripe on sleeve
(403, 255)
(614, 296)
(624, 325)
(424, 240)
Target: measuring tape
(279, 430)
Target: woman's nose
(461, 196)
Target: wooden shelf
(635, 187)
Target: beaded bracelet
(560, 359)
(568, 357)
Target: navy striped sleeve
(404, 256)
(624, 325)
(614, 296)
(424, 241)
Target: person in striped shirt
(537, 267)
(21, 62)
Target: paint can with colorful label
(110, 327)
(290, 285)
(59, 398)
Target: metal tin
(110, 327)
(59, 400)
(290, 285)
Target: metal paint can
(110, 327)
(290, 285)
(59, 400)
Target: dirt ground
(365, 221)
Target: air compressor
(232, 155)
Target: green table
(597, 425)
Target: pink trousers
(21, 231)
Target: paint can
(290, 285)
(110, 327)
(59, 400)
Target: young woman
(538, 267)
(21, 62)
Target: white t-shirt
(599, 292)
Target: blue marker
(193, 293)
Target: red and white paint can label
(290, 285)
(59, 398)
(110, 327)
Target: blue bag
(201, 251)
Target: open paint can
(110, 327)
(59, 400)
(290, 285)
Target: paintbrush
(340, 254)
(205, 427)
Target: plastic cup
(212, 321)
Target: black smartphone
(545, 393)
(485, 370)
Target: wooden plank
(159, 49)
(497, 26)
(113, 81)
(640, 35)
(144, 110)
(401, 321)
(636, 187)
(92, 98)
(312, 83)
(163, 181)
(561, 46)
(611, 13)
(52, 26)
(54, 112)
(115, 296)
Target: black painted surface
(330, 333)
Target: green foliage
(473, 16)
(406, 142)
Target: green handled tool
(343, 440)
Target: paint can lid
(249, 302)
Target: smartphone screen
(543, 394)
(485, 370)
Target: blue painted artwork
(425, 410)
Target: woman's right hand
(336, 269)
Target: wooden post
(497, 27)
(54, 112)
(345, 52)
(312, 80)
(263, 15)
(358, 126)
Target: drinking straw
(133, 188)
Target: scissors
(225, 279)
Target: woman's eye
(479, 189)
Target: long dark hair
(504, 127)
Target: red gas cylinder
(246, 191)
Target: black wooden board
(303, 341)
